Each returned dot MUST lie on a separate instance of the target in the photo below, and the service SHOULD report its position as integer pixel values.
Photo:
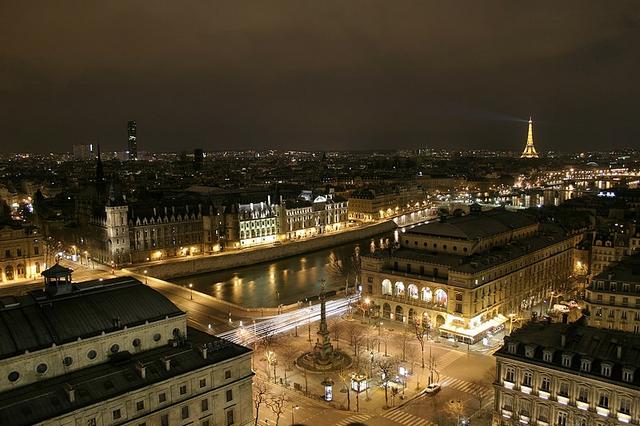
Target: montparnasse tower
(529, 150)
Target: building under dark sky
(132, 141)
(321, 75)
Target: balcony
(603, 411)
(544, 394)
(582, 405)
(563, 399)
(525, 389)
(506, 413)
(524, 419)
(508, 384)
(624, 418)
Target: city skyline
(320, 77)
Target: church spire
(529, 149)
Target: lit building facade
(464, 276)
(132, 140)
(257, 223)
(307, 216)
(115, 352)
(606, 250)
(21, 254)
(369, 205)
(613, 297)
(567, 375)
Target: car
(432, 389)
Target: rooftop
(627, 270)
(618, 348)
(472, 227)
(38, 320)
(48, 399)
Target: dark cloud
(319, 74)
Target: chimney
(71, 392)
(167, 363)
(619, 351)
(116, 322)
(268, 200)
(563, 340)
(141, 369)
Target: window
(606, 370)
(92, 354)
(625, 406)
(547, 356)
(562, 418)
(564, 389)
(227, 374)
(566, 360)
(205, 422)
(185, 412)
(529, 351)
(203, 383)
(585, 365)
(115, 348)
(116, 414)
(157, 337)
(162, 397)
(230, 421)
(67, 361)
(164, 420)
(507, 402)
(36, 250)
(14, 376)
(183, 389)
(42, 368)
(92, 422)
(627, 375)
(136, 342)
(527, 379)
(140, 405)
(510, 375)
(583, 394)
(204, 404)
(229, 395)
(545, 385)
(603, 401)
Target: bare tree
(278, 405)
(388, 366)
(344, 270)
(259, 397)
(336, 327)
(421, 331)
(356, 337)
(480, 396)
(345, 378)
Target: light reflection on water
(284, 281)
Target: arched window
(399, 313)
(441, 297)
(386, 287)
(8, 272)
(399, 288)
(427, 296)
(413, 291)
(411, 316)
(21, 271)
(386, 310)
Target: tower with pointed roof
(529, 149)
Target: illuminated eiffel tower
(529, 150)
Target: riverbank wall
(196, 265)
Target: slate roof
(596, 344)
(47, 399)
(472, 227)
(37, 320)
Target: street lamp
(145, 277)
(191, 290)
(293, 409)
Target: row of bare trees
(277, 403)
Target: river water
(283, 281)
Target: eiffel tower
(529, 150)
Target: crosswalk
(447, 359)
(406, 419)
(359, 418)
(464, 386)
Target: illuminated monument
(529, 150)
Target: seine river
(283, 281)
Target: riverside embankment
(168, 269)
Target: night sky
(323, 74)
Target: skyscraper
(529, 149)
(132, 143)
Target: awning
(474, 332)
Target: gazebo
(57, 278)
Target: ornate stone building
(21, 253)
(567, 375)
(114, 352)
(613, 297)
(309, 215)
(465, 275)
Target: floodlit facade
(466, 275)
(308, 215)
(529, 149)
(21, 254)
(567, 375)
(114, 352)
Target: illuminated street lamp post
(191, 290)
(293, 409)
(145, 277)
